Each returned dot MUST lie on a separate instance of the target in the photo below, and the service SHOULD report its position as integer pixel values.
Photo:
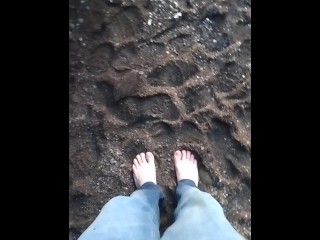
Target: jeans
(197, 216)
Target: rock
(177, 15)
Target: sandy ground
(159, 75)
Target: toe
(177, 155)
(188, 155)
(150, 157)
(138, 157)
(193, 160)
(184, 155)
(143, 157)
(135, 162)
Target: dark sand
(159, 76)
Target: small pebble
(177, 15)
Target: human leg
(198, 215)
(136, 217)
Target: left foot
(144, 169)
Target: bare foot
(186, 166)
(144, 169)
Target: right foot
(186, 166)
(144, 169)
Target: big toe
(150, 157)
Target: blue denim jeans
(197, 216)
